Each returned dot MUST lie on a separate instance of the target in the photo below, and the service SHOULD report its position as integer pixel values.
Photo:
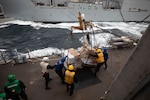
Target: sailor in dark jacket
(59, 67)
(105, 57)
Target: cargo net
(86, 59)
(80, 58)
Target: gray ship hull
(61, 11)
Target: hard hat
(11, 77)
(98, 50)
(71, 67)
(45, 59)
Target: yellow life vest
(69, 77)
(100, 58)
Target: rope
(70, 43)
(108, 90)
(145, 18)
(93, 34)
(74, 14)
(120, 11)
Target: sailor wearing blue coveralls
(59, 67)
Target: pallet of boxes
(73, 58)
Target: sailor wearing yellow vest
(99, 59)
(70, 78)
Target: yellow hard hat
(98, 50)
(71, 67)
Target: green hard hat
(11, 77)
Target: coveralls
(105, 57)
(59, 67)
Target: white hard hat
(45, 59)
(83, 16)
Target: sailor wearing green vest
(15, 88)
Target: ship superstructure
(67, 10)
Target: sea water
(41, 39)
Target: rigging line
(109, 31)
(106, 31)
(68, 47)
(105, 39)
(72, 14)
(120, 11)
(95, 42)
(145, 18)
(94, 38)
(84, 36)
(88, 54)
(34, 2)
(109, 88)
(83, 30)
(69, 43)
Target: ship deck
(87, 88)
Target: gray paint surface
(135, 73)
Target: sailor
(45, 66)
(99, 59)
(70, 78)
(105, 57)
(15, 88)
(59, 67)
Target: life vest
(44, 67)
(100, 58)
(13, 86)
(69, 77)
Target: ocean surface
(43, 39)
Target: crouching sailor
(99, 59)
(15, 88)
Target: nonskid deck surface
(88, 88)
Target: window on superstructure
(134, 9)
